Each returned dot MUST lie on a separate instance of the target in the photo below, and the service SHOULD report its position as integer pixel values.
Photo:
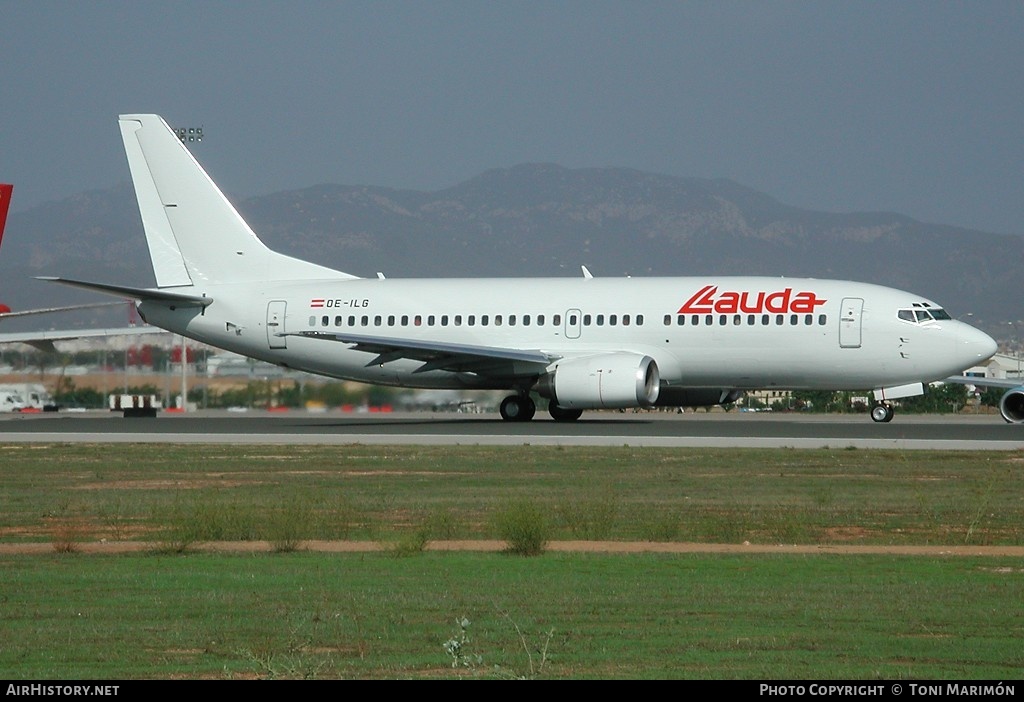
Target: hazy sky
(913, 107)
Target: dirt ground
(113, 547)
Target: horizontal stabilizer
(163, 296)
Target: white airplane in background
(584, 343)
(43, 340)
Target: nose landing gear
(882, 412)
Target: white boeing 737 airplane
(583, 343)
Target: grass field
(170, 611)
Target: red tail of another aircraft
(5, 202)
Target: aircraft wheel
(517, 408)
(560, 414)
(881, 412)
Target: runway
(643, 429)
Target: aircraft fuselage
(732, 332)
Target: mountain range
(538, 220)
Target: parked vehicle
(33, 396)
(10, 401)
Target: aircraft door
(850, 322)
(275, 324)
(573, 324)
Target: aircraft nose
(976, 344)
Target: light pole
(1016, 343)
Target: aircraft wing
(43, 340)
(986, 382)
(485, 360)
(47, 310)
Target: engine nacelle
(696, 397)
(1011, 405)
(610, 381)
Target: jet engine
(609, 381)
(1011, 405)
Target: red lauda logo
(708, 299)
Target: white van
(33, 396)
(11, 401)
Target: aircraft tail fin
(5, 203)
(194, 233)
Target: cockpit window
(923, 313)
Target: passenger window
(430, 320)
(600, 320)
(557, 320)
(586, 320)
(639, 320)
(312, 321)
(668, 319)
(540, 320)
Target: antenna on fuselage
(586, 273)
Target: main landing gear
(521, 408)
(517, 408)
(882, 412)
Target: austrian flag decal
(708, 300)
(316, 302)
